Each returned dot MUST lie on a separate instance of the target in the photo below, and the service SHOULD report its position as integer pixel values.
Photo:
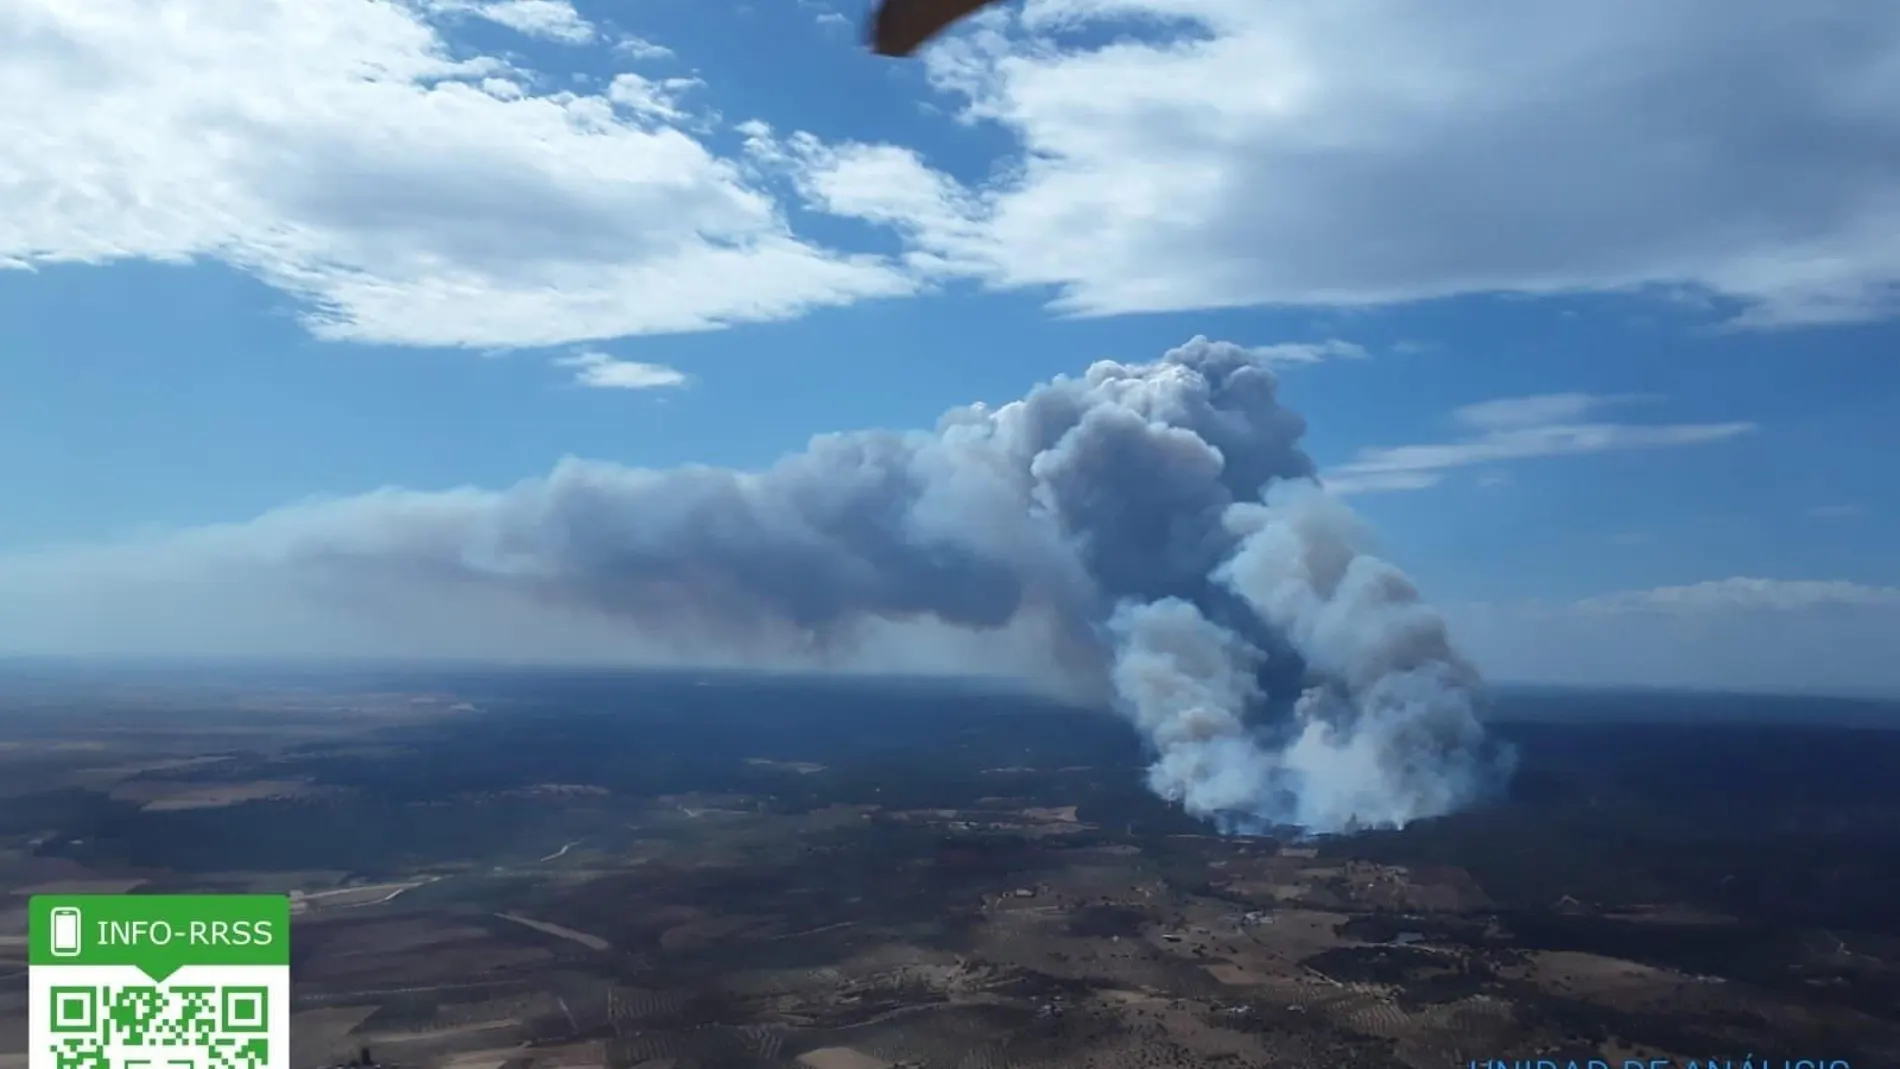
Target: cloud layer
(1368, 151)
(343, 152)
(1171, 155)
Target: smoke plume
(1153, 527)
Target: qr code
(151, 1026)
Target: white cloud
(339, 151)
(604, 372)
(1306, 352)
(1837, 512)
(639, 48)
(887, 185)
(826, 15)
(551, 20)
(1372, 151)
(1516, 428)
(1507, 413)
(1818, 636)
(1721, 595)
(650, 99)
(1345, 482)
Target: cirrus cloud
(1518, 428)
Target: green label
(159, 934)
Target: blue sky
(1628, 270)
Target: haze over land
(558, 869)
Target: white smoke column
(1382, 731)
(1187, 682)
(1388, 733)
(1384, 735)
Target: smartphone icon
(65, 932)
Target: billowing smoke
(1155, 527)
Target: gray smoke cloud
(1152, 527)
